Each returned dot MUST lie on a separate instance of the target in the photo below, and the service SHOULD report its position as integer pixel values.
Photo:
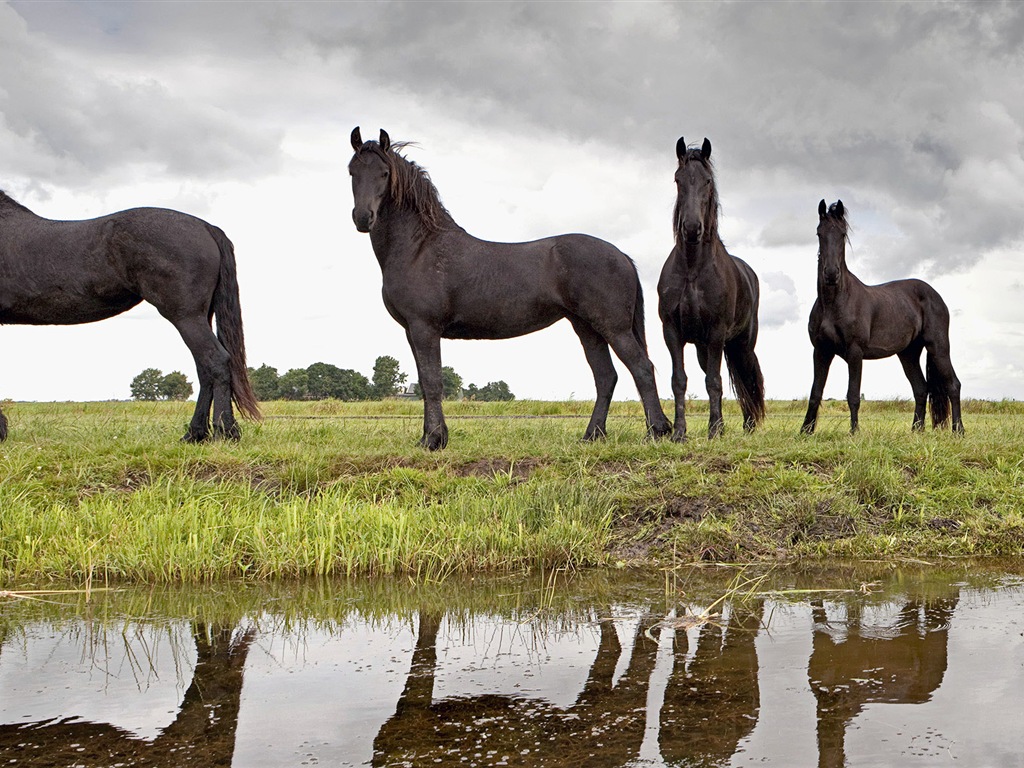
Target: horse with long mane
(862, 322)
(708, 298)
(71, 272)
(441, 282)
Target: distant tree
(265, 382)
(353, 386)
(323, 380)
(293, 385)
(495, 391)
(174, 386)
(452, 383)
(387, 378)
(146, 386)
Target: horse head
(832, 233)
(371, 178)
(696, 210)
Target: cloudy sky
(533, 119)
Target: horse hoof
(195, 437)
(678, 437)
(659, 432)
(233, 433)
(593, 436)
(434, 442)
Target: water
(861, 666)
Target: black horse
(708, 298)
(441, 282)
(868, 322)
(70, 272)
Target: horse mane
(711, 218)
(412, 188)
(6, 201)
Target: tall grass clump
(105, 491)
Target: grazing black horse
(70, 272)
(868, 322)
(708, 298)
(441, 282)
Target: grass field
(98, 491)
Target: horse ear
(822, 209)
(385, 140)
(705, 149)
(681, 148)
(357, 139)
(839, 208)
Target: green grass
(105, 491)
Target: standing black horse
(708, 298)
(440, 281)
(868, 322)
(70, 272)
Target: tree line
(322, 381)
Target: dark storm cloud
(906, 108)
(911, 112)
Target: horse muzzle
(364, 220)
(692, 232)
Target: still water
(869, 665)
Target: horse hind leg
(636, 360)
(213, 368)
(3, 427)
(910, 358)
(943, 388)
(600, 360)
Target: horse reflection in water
(203, 733)
(711, 702)
(713, 698)
(854, 664)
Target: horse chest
(694, 312)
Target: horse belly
(502, 323)
(60, 307)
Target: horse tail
(746, 379)
(639, 331)
(228, 310)
(937, 395)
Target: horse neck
(398, 235)
(697, 258)
(848, 286)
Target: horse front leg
(822, 362)
(426, 349)
(855, 360)
(3, 427)
(675, 351)
(710, 359)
